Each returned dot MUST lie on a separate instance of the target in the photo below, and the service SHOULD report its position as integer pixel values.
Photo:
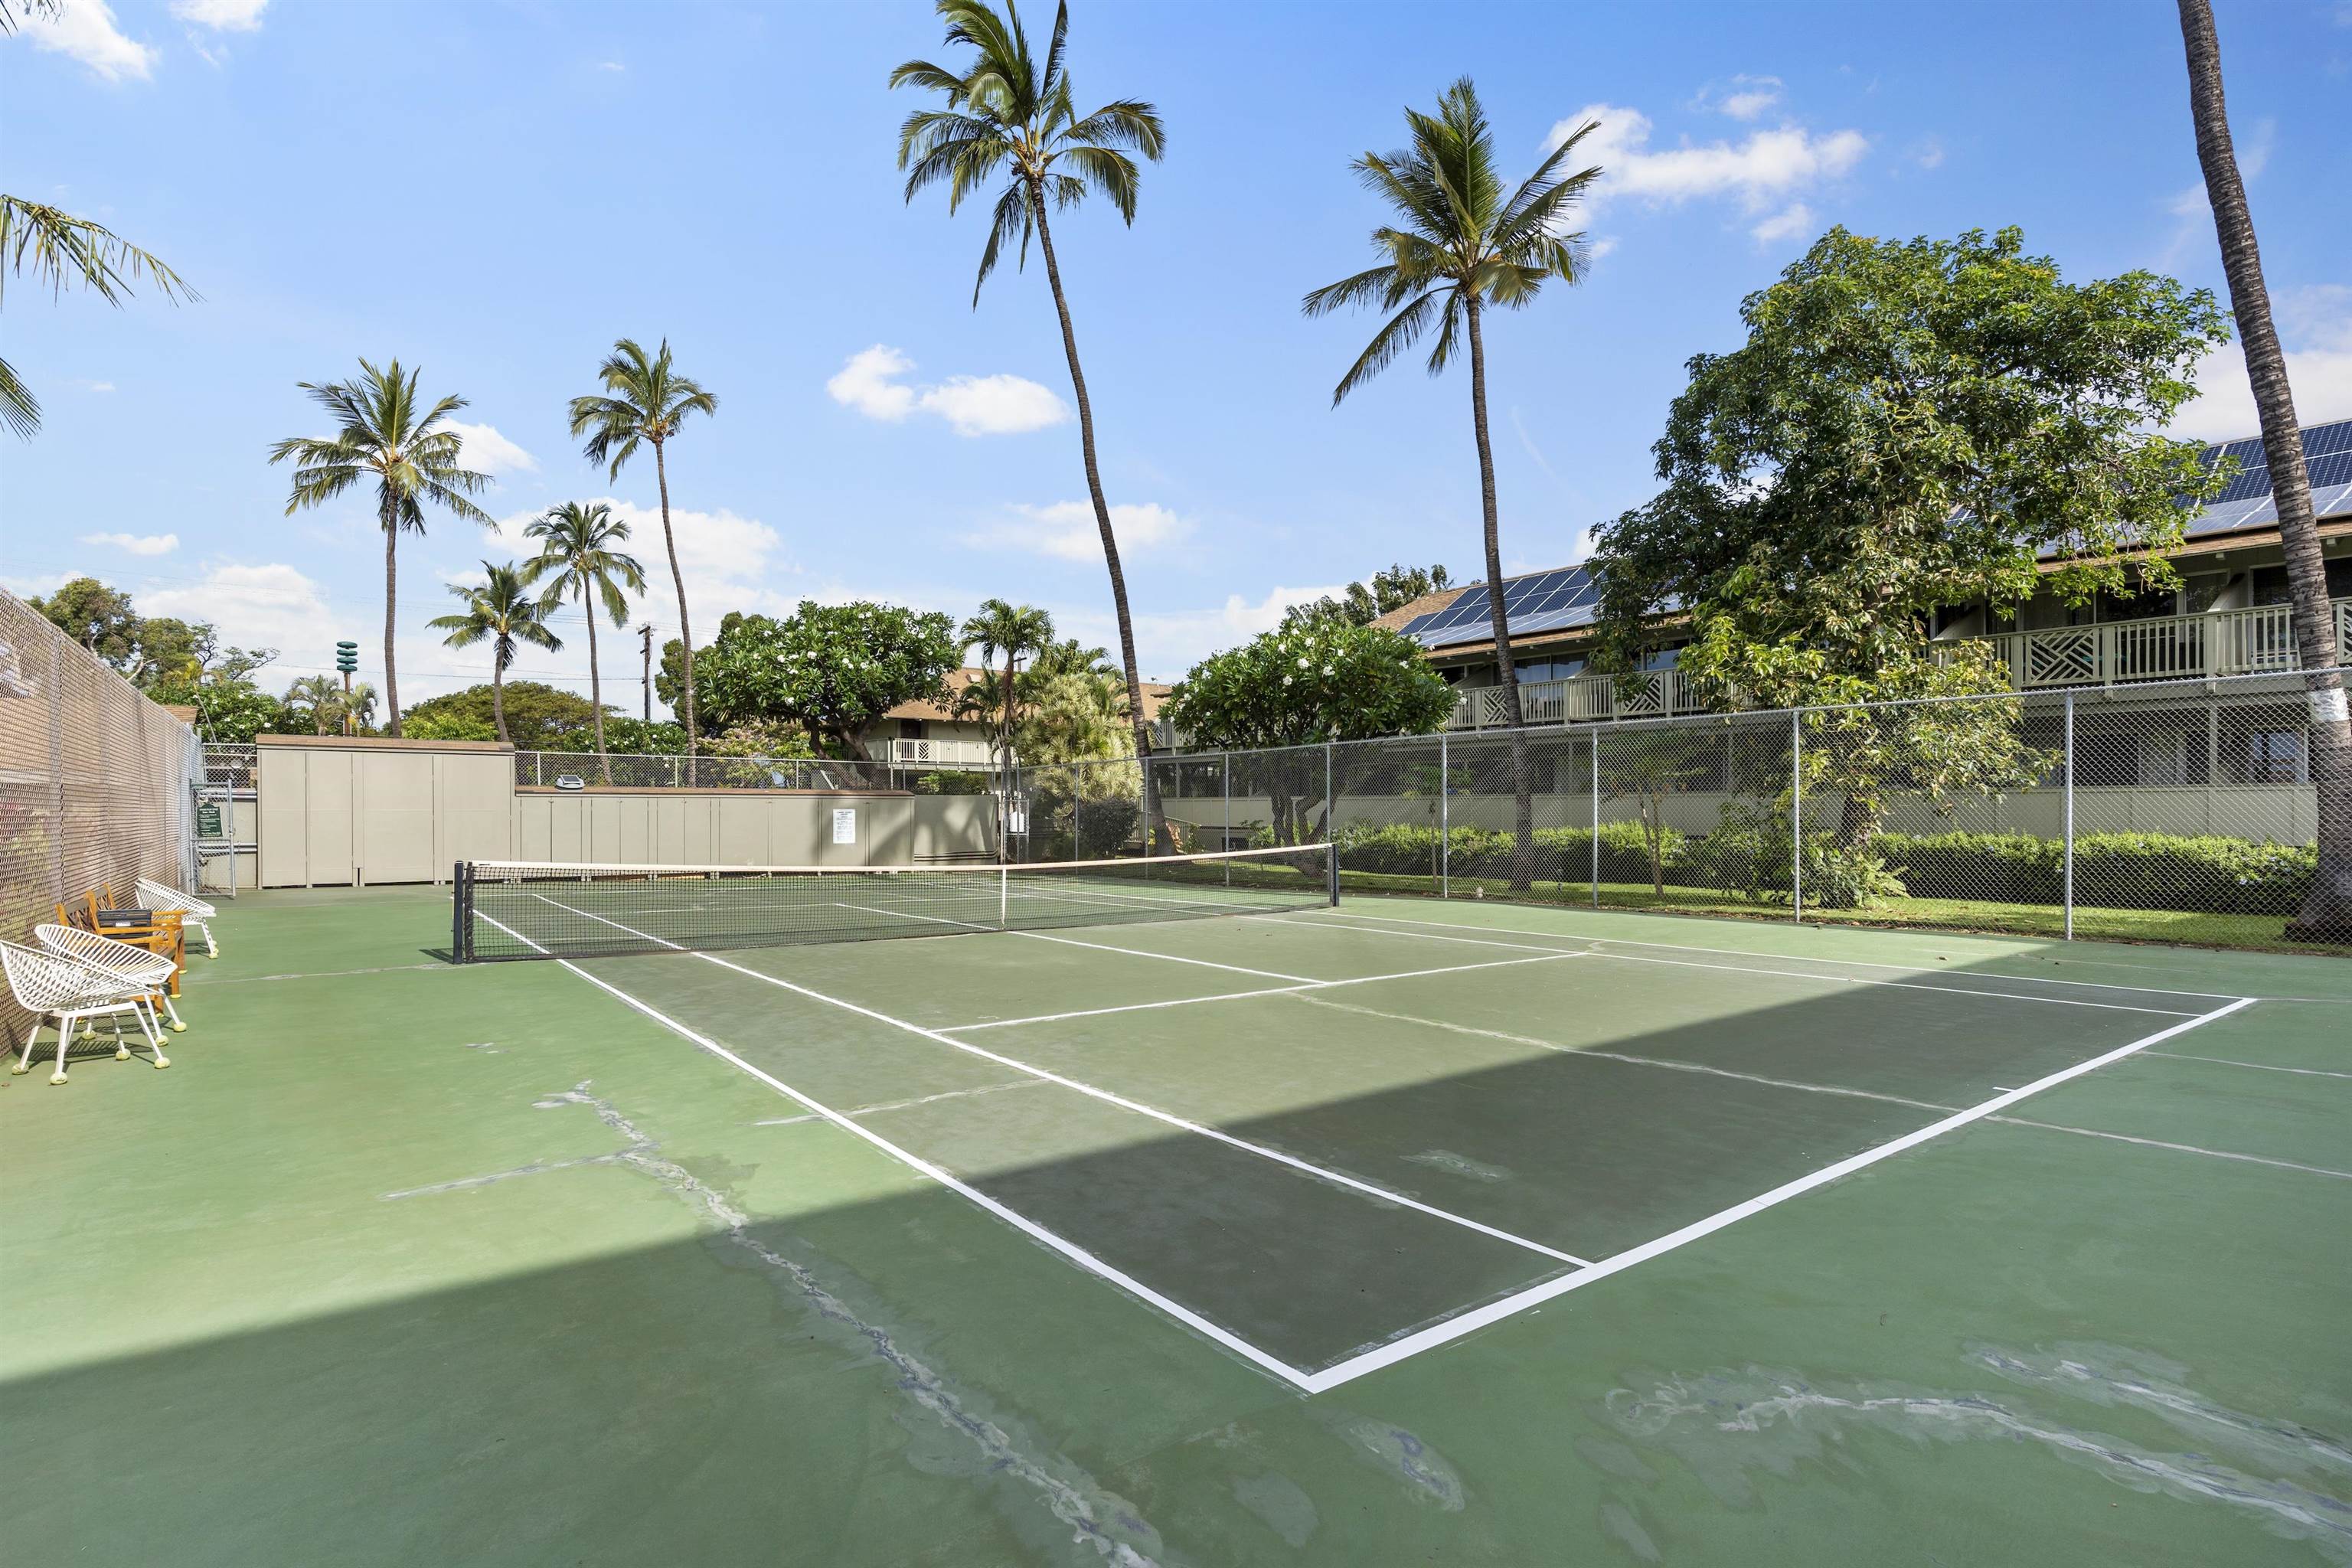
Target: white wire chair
(53, 986)
(194, 910)
(143, 968)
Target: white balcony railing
(909, 754)
(2166, 648)
(1580, 699)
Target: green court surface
(1401, 1232)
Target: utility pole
(645, 647)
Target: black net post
(461, 912)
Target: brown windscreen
(96, 782)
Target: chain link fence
(98, 784)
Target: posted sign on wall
(845, 825)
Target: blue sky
(496, 191)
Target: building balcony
(2259, 641)
(1580, 699)
(927, 753)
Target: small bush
(949, 784)
(2202, 873)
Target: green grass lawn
(2249, 931)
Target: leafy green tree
(540, 717)
(643, 736)
(1910, 425)
(1067, 657)
(99, 617)
(1010, 116)
(580, 557)
(833, 669)
(644, 403)
(62, 251)
(2327, 912)
(1459, 244)
(1304, 684)
(384, 435)
(503, 611)
(1364, 603)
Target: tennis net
(516, 910)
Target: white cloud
(1767, 167)
(273, 606)
(99, 385)
(1068, 531)
(2315, 324)
(728, 560)
(227, 15)
(972, 405)
(1744, 98)
(136, 543)
(1792, 222)
(1599, 246)
(1929, 154)
(85, 30)
(491, 453)
(610, 65)
(1169, 642)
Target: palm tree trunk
(498, 698)
(1004, 765)
(1151, 826)
(388, 513)
(596, 689)
(684, 630)
(1523, 840)
(2327, 913)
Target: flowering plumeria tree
(1301, 685)
(833, 669)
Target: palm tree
(2327, 913)
(62, 250)
(1458, 245)
(359, 704)
(322, 696)
(384, 432)
(1012, 630)
(503, 609)
(644, 402)
(1010, 115)
(578, 556)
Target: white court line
(1369, 1189)
(1753, 969)
(1750, 953)
(1497, 1310)
(2178, 1148)
(1029, 1227)
(978, 929)
(1667, 1063)
(1239, 995)
(2258, 1067)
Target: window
(2274, 756)
(1549, 669)
(910, 729)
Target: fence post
(538, 768)
(1596, 817)
(2070, 814)
(1225, 813)
(1444, 820)
(1797, 815)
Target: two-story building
(2229, 615)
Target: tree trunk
(1523, 841)
(1151, 825)
(498, 700)
(388, 512)
(595, 685)
(684, 630)
(1004, 767)
(2327, 913)
(645, 685)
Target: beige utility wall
(744, 827)
(333, 812)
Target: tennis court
(1326, 1138)
(1186, 1216)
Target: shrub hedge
(2202, 873)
